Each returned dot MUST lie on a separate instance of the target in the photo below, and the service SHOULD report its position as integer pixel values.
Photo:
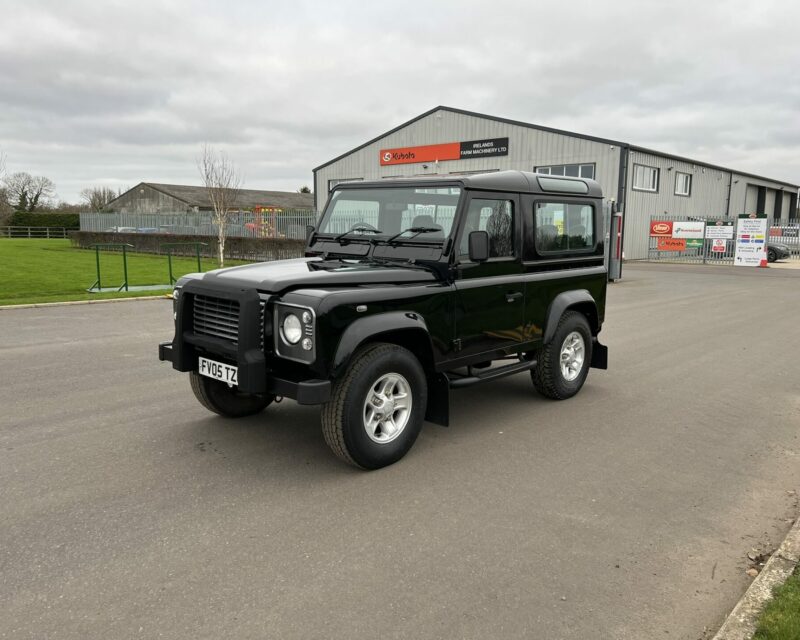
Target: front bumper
(303, 391)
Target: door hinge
(457, 344)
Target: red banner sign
(658, 228)
(427, 153)
(671, 244)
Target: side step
(491, 374)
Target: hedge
(26, 219)
(255, 249)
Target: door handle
(510, 297)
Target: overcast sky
(115, 92)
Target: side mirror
(478, 242)
(309, 232)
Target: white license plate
(218, 371)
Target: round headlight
(306, 317)
(176, 293)
(292, 329)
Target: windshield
(381, 213)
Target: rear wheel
(227, 401)
(376, 409)
(564, 362)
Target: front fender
(364, 329)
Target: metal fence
(716, 243)
(33, 232)
(290, 224)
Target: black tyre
(564, 362)
(227, 401)
(771, 255)
(377, 407)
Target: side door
(490, 296)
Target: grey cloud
(120, 92)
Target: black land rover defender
(409, 288)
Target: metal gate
(712, 240)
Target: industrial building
(642, 182)
(151, 197)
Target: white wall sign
(691, 229)
(751, 241)
(719, 230)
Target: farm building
(642, 182)
(150, 197)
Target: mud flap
(438, 409)
(599, 355)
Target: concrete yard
(127, 510)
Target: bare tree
(223, 183)
(97, 198)
(26, 192)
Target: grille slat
(216, 318)
(219, 318)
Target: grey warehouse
(641, 182)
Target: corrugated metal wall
(530, 147)
(144, 199)
(527, 148)
(708, 197)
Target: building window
(333, 183)
(585, 170)
(683, 184)
(645, 178)
(563, 227)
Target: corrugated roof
(196, 196)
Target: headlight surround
(292, 329)
(295, 332)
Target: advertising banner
(690, 229)
(447, 151)
(694, 243)
(751, 241)
(671, 244)
(659, 228)
(721, 229)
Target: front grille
(217, 318)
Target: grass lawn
(781, 618)
(52, 271)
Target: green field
(781, 618)
(33, 271)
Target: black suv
(409, 288)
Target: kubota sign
(446, 151)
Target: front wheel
(227, 401)
(772, 256)
(377, 407)
(564, 362)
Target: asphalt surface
(128, 511)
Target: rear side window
(564, 227)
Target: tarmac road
(128, 511)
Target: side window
(496, 217)
(562, 227)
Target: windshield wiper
(362, 230)
(415, 230)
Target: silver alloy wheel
(387, 408)
(573, 351)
